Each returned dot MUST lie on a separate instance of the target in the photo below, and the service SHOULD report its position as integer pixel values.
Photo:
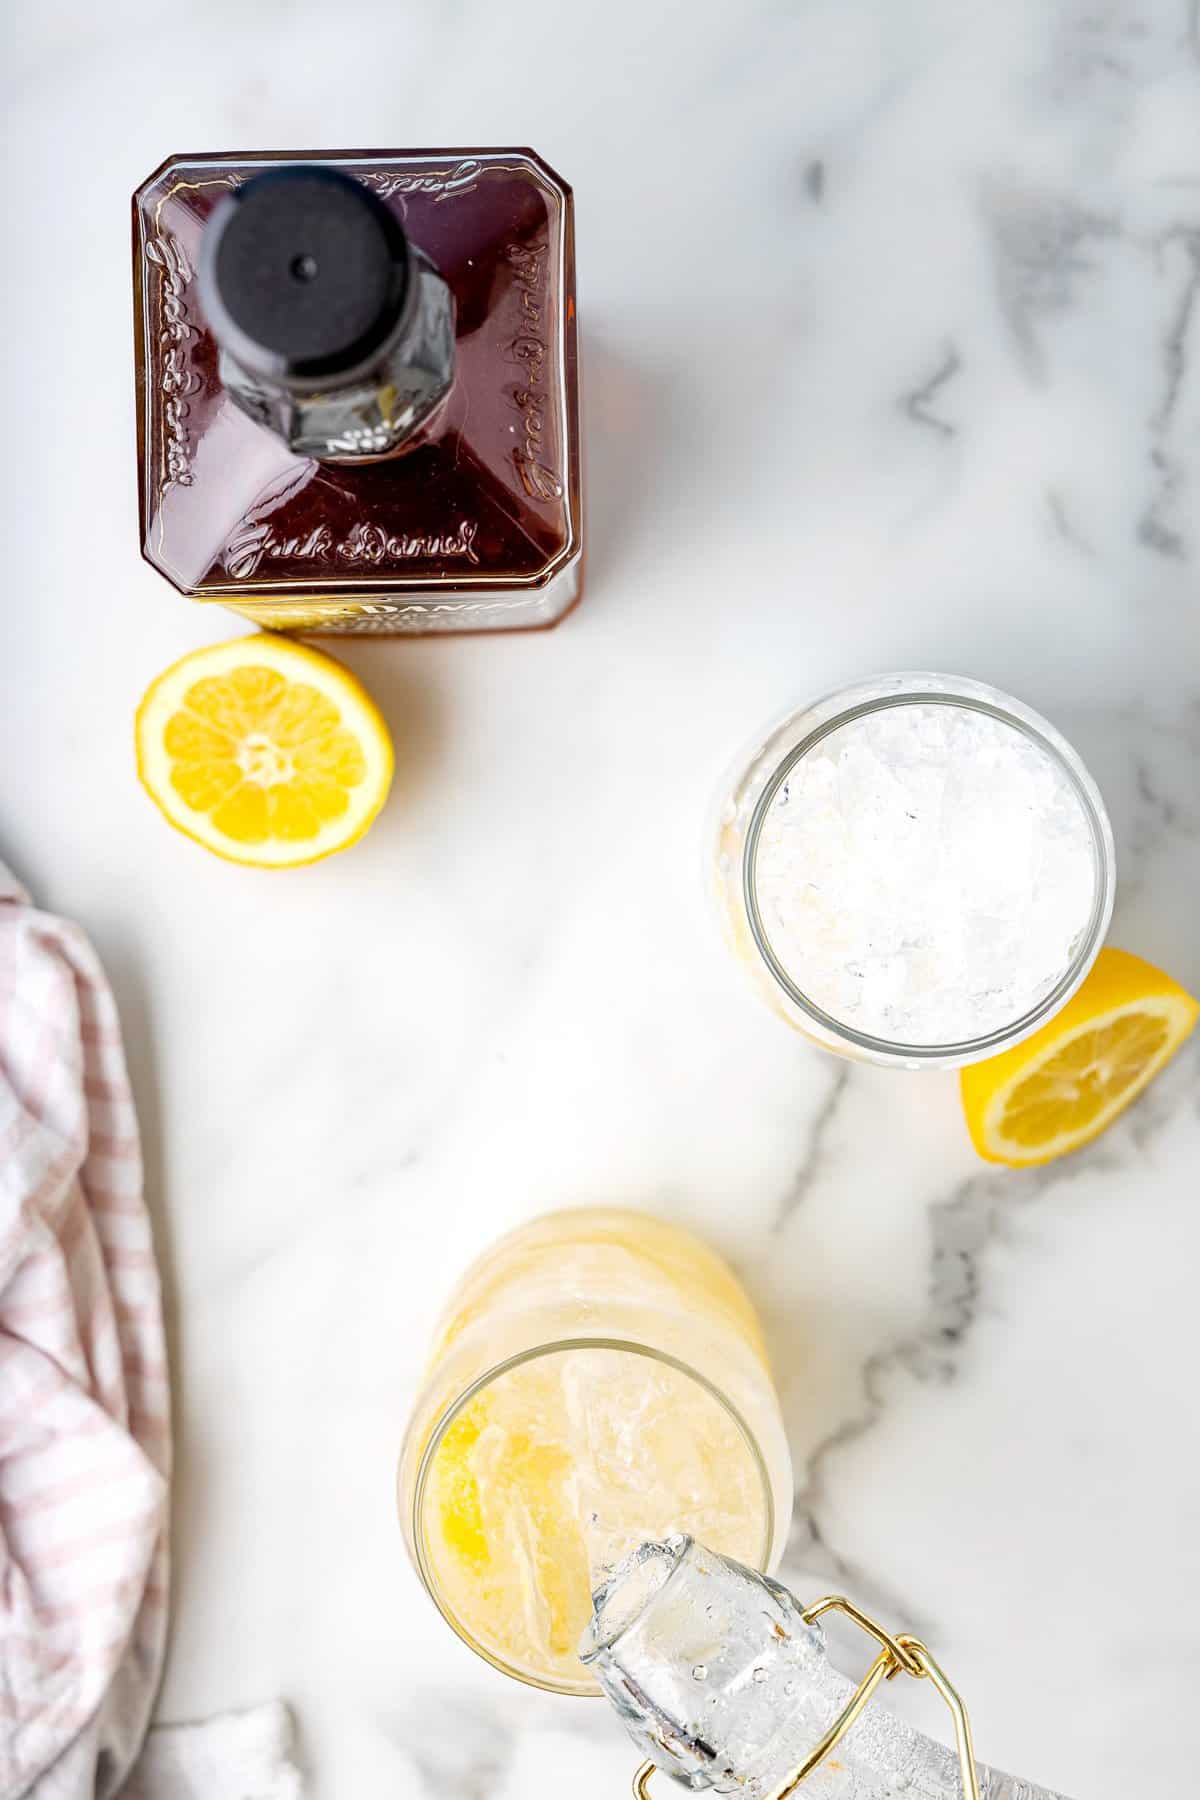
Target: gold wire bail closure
(898, 1655)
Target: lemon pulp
(264, 751)
(1061, 1087)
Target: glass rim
(1033, 728)
(586, 1688)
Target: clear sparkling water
(926, 873)
(769, 1694)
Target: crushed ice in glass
(926, 873)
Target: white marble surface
(892, 359)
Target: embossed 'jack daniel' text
(528, 264)
(253, 544)
(175, 377)
(463, 178)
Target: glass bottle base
(394, 615)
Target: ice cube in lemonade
(599, 1377)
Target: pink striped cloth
(84, 1400)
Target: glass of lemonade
(597, 1378)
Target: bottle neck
(370, 410)
(723, 1683)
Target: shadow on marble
(627, 415)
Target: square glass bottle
(357, 389)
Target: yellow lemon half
(1062, 1086)
(264, 751)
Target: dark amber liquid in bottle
(475, 522)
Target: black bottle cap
(303, 273)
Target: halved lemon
(264, 751)
(1062, 1086)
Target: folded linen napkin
(85, 1440)
(237, 1756)
(84, 1401)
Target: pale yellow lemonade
(598, 1377)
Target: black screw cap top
(303, 272)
